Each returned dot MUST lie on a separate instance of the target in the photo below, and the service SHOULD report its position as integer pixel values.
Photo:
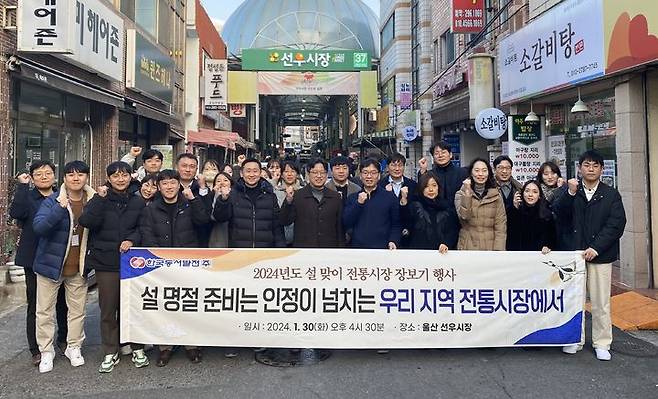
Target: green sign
(305, 60)
(524, 132)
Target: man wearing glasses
(373, 213)
(507, 185)
(315, 210)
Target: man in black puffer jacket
(252, 210)
(112, 217)
(173, 220)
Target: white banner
(86, 33)
(237, 110)
(562, 47)
(318, 298)
(215, 75)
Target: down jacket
(54, 226)
(23, 208)
(429, 222)
(484, 222)
(110, 220)
(376, 222)
(251, 224)
(158, 230)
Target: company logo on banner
(562, 47)
(308, 83)
(467, 16)
(526, 148)
(85, 32)
(214, 73)
(318, 298)
(237, 111)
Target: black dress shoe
(194, 355)
(36, 359)
(163, 359)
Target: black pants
(109, 294)
(61, 311)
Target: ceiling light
(580, 106)
(532, 117)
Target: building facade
(88, 79)
(405, 75)
(597, 91)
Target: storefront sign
(237, 110)
(305, 60)
(557, 152)
(467, 16)
(214, 73)
(411, 122)
(609, 175)
(631, 30)
(491, 123)
(93, 32)
(561, 48)
(320, 298)
(149, 69)
(526, 148)
(308, 83)
(45, 26)
(405, 95)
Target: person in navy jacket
(373, 214)
(60, 260)
(23, 208)
(394, 181)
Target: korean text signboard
(562, 47)
(215, 81)
(86, 33)
(237, 110)
(491, 123)
(149, 70)
(526, 148)
(305, 60)
(45, 26)
(319, 298)
(467, 16)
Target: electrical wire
(485, 30)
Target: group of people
(68, 232)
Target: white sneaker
(570, 349)
(126, 350)
(602, 354)
(46, 364)
(74, 355)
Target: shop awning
(60, 81)
(152, 113)
(211, 137)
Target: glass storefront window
(595, 130)
(146, 15)
(50, 125)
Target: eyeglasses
(501, 167)
(370, 172)
(317, 172)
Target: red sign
(467, 16)
(237, 111)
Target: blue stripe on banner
(134, 263)
(568, 333)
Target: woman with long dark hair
(531, 225)
(481, 210)
(553, 188)
(430, 216)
